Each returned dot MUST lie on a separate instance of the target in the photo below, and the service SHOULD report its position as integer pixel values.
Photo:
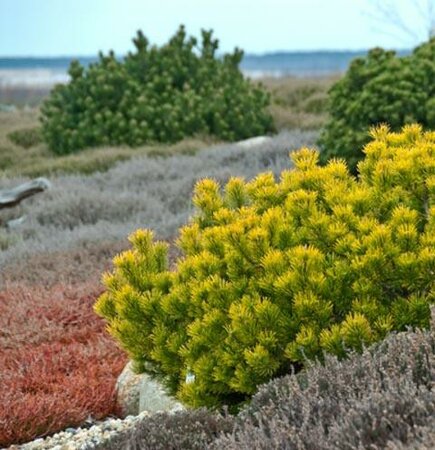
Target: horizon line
(251, 54)
(245, 53)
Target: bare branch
(418, 26)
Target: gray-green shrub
(183, 430)
(383, 398)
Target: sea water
(44, 72)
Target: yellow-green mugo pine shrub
(275, 272)
(155, 94)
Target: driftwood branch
(12, 197)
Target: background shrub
(274, 273)
(155, 94)
(380, 88)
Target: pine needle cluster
(277, 272)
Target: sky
(83, 27)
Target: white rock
(253, 142)
(127, 391)
(153, 398)
(138, 392)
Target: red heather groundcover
(57, 363)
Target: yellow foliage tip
(305, 158)
(141, 239)
(380, 132)
(207, 186)
(125, 259)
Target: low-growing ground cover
(58, 365)
(381, 399)
(53, 349)
(143, 192)
(22, 153)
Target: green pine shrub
(380, 88)
(155, 94)
(26, 137)
(275, 272)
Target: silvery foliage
(140, 193)
(381, 399)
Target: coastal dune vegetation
(345, 270)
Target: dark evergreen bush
(155, 94)
(380, 88)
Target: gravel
(84, 438)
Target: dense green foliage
(155, 94)
(277, 272)
(380, 88)
(26, 137)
